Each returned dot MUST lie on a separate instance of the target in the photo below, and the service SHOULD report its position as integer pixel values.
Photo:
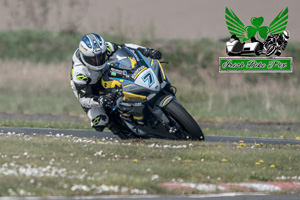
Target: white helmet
(286, 35)
(92, 49)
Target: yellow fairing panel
(138, 117)
(162, 70)
(133, 62)
(110, 84)
(131, 96)
(140, 72)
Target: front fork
(157, 111)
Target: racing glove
(106, 99)
(148, 52)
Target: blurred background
(39, 37)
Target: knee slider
(100, 120)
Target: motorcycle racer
(88, 65)
(279, 41)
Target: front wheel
(185, 120)
(270, 50)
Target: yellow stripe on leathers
(71, 76)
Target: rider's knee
(100, 120)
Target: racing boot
(99, 128)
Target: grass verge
(66, 166)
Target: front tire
(270, 50)
(186, 121)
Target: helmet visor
(95, 60)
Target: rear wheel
(185, 120)
(258, 50)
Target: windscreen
(125, 59)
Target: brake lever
(166, 62)
(118, 92)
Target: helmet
(286, 35)
(92, 50)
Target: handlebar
(167, 62)
(117, 92)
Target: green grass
(37, 101)
(293, 50)
(52, 165)
(242, 107)
(36, 46)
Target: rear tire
(257, 53)
(185, 120)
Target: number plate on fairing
(148, 80)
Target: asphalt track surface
(107, 134)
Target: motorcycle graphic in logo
(275, 36)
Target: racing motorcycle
(145, 105)
(274, 44)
